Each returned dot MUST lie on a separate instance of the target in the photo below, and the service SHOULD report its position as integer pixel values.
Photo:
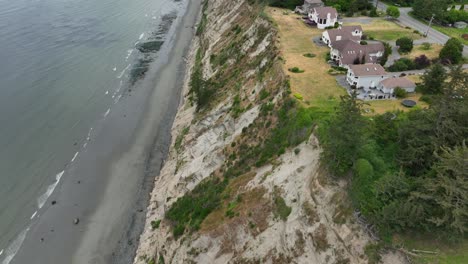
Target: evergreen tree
(345, 135)
(445, 193)
(451, 109)
(416, 145)
(433, 79)
(426, 8)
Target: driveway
(405, 19)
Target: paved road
(433, 36)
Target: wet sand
(107, 186)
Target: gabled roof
(322, 12)
(367, 70)
(343, 33)
(313, 1)
(401, 82)
(350, 51)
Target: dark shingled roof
(350, 50)
(345, 32)
(323, 11)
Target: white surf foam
(107, 112)
(15, 246)
(74, 157)
(129, 53)
(50, 189)
(123, 72)
(141, 35)
(107, 92)
(1, 252)
(117, 99)
(115, 68)
(85, 144)
(32, 216)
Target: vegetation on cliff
(408, 171)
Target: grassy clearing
(382, 106)
(445, 253)
(315, 85)
(453, 32)
(419, 50)
(385, 30)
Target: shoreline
(108, 186)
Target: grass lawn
(382, 106)
(453, 32)
(418, 50)
(385, 30)
(315, 85)
(446, 254)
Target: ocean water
(63, 65)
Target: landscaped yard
(314, 86)
(385, 30)
(453, 32)
(418, 50)
(382, 106)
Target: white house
(348, 52)
(388, 85)
(331, 36)
(324, 16)
(366, 76)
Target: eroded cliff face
(277, 210)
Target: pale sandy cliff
(320, 227)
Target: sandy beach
(99, 208)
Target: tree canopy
(452, 52)
(393, 12)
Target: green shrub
(361, 191)
(295, 70)
(180, 138)
(161, 259)
(188, 212)
(452, 51)
(298, 96)
(400, 92)
(405, 44)
(264, 94)
(403, 64)
(372, 252)
(363, 42)
(426, 46)
(309, 55)
(282, 211)
(155, 224)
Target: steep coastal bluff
(243, 181)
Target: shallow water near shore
(74, 87)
